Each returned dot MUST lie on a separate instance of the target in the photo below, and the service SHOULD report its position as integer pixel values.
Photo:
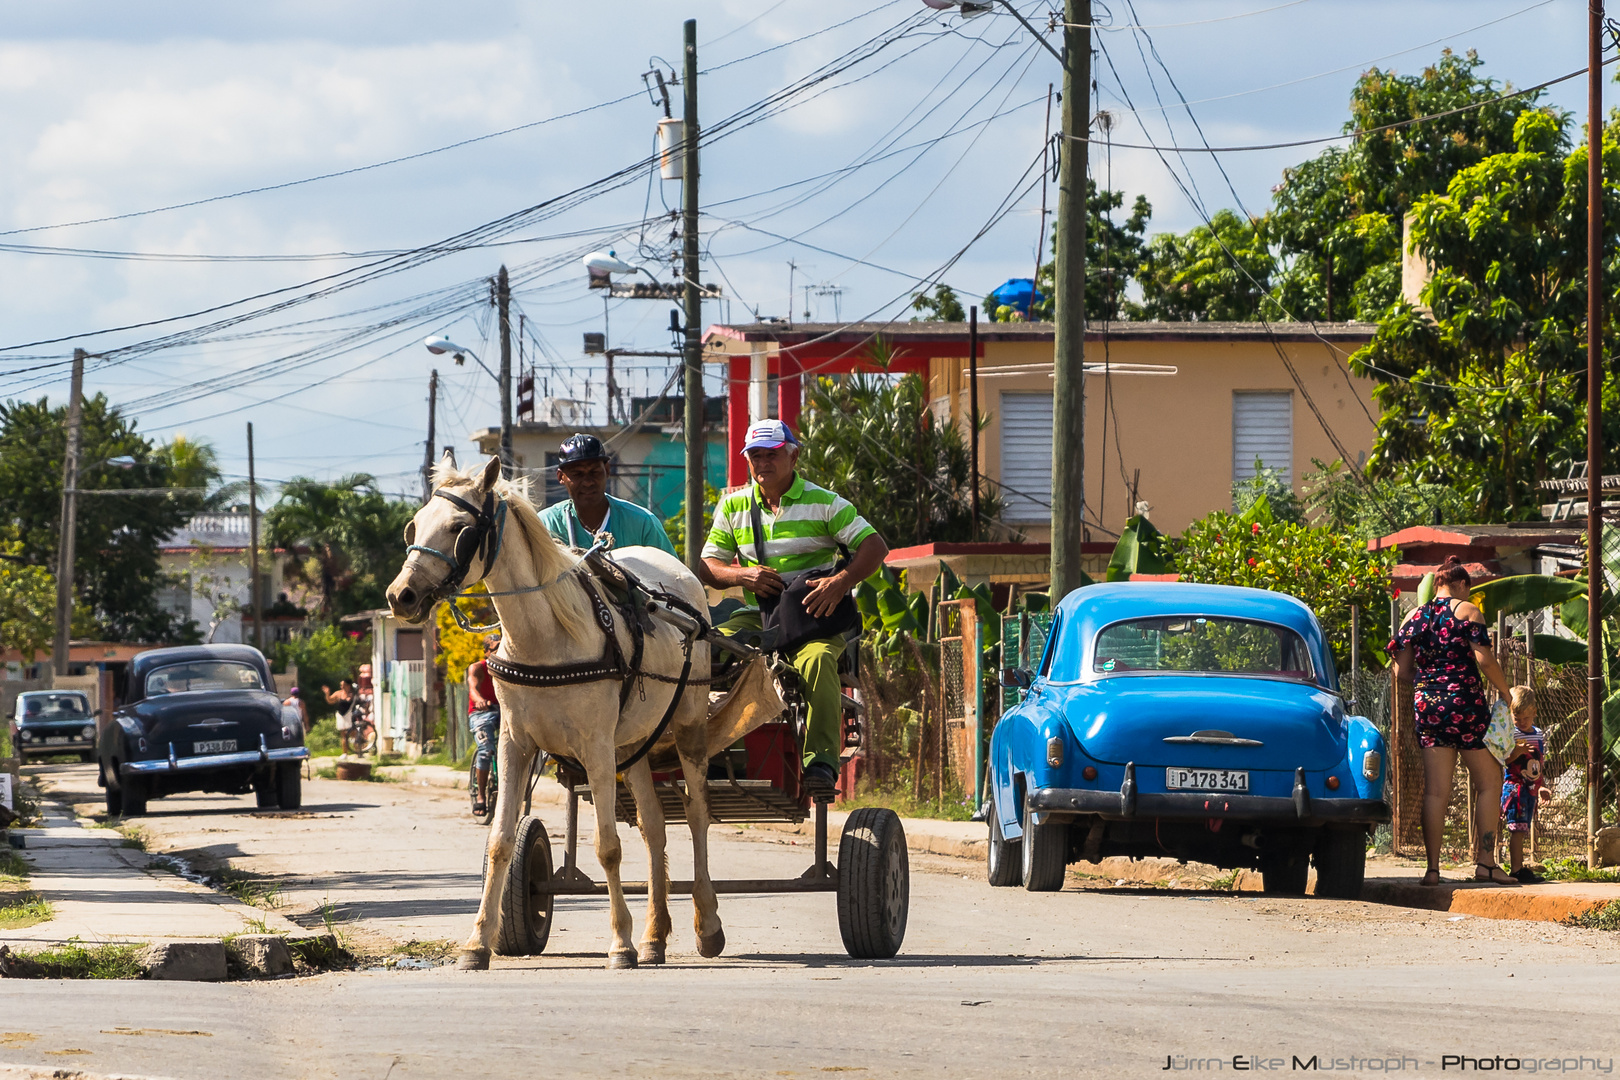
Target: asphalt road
(1113, 982)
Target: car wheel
(1045, 848)
(1003, 858)
(1284, 874)
(135, 795)
(289, 785)
(874, 884)
(115, 794)
(1341, 863)
(264, 787)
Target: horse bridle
(480, 540)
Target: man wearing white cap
(803, 528)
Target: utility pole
(1594, 429)
(693, 427)
(255, 589)
(973, 410)
(64, 544)
(1069, 303)
(427, 456)
(503, 301)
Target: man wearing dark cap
(582, 469)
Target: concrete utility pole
(427, 455)
(973, 411)
(255, 589)
(1594, 427)
(503, 301)
(64, 545)
(1069, 302)
(693, 426)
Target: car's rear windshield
(202, 675)
(55, 706)
(1199, 644)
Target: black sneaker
(819, 778)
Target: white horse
(480, 524)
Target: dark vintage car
(49, 722)
(201, 718)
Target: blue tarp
(1015, 293)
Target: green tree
(1272, 486)
(27, 603)
(1114, 248)
(117, 574)
(1221, 271)
(942, 306)
(324, 656)
(354, 536)
(1367, 508)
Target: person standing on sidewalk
(582, 470)
(804, 526)
(343, 702)
(1444, 647)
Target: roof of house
(788, 333)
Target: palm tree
(353, 534)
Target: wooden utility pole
(1069, 304)
(503, 301)
(255, 588)
(427, 456)
(973, 410)
(693, 426)
(1594, 427)
(70, 492)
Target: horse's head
(456, 533)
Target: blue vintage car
(1197, 722)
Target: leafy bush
(1337, 499)
(324, 657)
(1272, 486)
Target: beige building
(1175, 412)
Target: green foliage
(1221, 271)
(76, 960)
(942, 306)
(1141, 549)
(887, 611)
(1606, 917)
(1113, 252)
(117, 574)
(1575, 869)
(675, 527)
(1327, 570)
(27, 603)
(1525, 592)
(1367, 508)
(872, 438)
(353, 533)
(324, 656)
(1272, 486)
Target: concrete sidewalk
(103, 891)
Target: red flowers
(1252, 563)
(1255, 529)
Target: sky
(860, 149)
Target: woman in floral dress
(1443, 647)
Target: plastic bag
(1499, 738)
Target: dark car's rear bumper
(172, 763)
(1128, 805)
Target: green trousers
(817, 665)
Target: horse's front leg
(600, 767)
(690, 743)
(515, 756)
(650, 812)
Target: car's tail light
(1054, 751)
(1371, 762)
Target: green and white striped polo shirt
(806, 533)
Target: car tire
(135, 796)
(264, 788)
(289, 785)
(1003, 858)
(874, 884)
(1284, 874)
(115, 794)
(1341, 863)
(1045, 849)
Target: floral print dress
(1449, 698)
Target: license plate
(1206, 779)
(214, 746)
(57, 740)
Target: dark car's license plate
(214, 746)
(1176, 779)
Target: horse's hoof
(712, 944)
(473, 960)
(621, 959)
(651, 952)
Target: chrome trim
(1213, 738)
(215, 761)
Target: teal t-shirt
(631, 526)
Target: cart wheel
(525, 914)
(874, 884)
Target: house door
(1026, 458)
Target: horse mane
(569, 604)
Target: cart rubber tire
(1341, 863)
(874, 884)
(134, 796)
(115, 794)
(289, 785)
(1044, 851)
(1284, 875)
(525, 915)
(264, 788)
(1003, 858)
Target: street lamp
(438, 345)
(600, 264)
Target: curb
(1526, 903)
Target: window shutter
(1262, 427)
(1026, 457)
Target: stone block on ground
(1607, 842)
(263, 954)
(186, 961)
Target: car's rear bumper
(213, 761)
(1128, 804)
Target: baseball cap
(768, 435)
(581, 447)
